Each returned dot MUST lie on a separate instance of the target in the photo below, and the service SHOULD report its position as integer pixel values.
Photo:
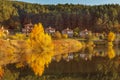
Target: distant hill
(99, 18)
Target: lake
(90, 63)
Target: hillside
(99, 18)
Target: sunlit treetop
(111, 36)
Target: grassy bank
(66, 46)
(12, 51)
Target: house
(68, 31)
(50, 30)
(27, 28)
(84, 33)
(5, 31)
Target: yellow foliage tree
(57, 35)
(111, 36)
(18, 36)
(41, 47)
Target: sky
(86, 2)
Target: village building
(5, 31)
(68, 31)
(84, 33)
(50, 30)
(27, 28)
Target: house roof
(30, 24)
(67, 29)
(84, 31)
(50, 28)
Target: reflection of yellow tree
(38, 61)
(89, 50)
(41, 49)
(111, 52)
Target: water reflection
(111, 52)
(100, 62)
(88, 53)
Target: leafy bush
(57, 35)
(18, 36)
(65, 36)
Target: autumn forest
(97, 18)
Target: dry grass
(12, 51)
(66, 46)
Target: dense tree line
(100, 18)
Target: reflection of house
(27, 28)
(86, 56)
(84, 33)
(68, 31)
(50, 30)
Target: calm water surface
(90, 63)
(95, 63)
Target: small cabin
(84, 33)
(27, 28)
(68, 31)
(50, 30)
(3, 30)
